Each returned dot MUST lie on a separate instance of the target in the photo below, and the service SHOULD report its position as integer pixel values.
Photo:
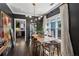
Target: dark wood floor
(22, 48)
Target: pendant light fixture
(34, 13)
(34, 8)
(35, 25)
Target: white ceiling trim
(15, 8)
(25, 9)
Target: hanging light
(30, 16)
(41, 16)
(34, 8)
(33, 4)
(35, 25)
(31, 20)
(36, 19)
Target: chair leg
(53, 51)
(58, 51)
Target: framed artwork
(5, 25)
(1, 23)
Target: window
(53, 24)
(56, 28)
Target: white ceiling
(28, 8)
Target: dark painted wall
(28, 28)
(19, 16)
(5, 9)
(74, 26)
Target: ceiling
(28, 8)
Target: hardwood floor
(22, 48)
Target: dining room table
(46, 40)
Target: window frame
(56, 19)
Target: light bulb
(30, 16)
(39, 18)
(31, 20)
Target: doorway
(20, 29)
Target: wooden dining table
(36, 36)
(46, 39)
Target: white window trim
(54, 19)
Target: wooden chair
(51, 48)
